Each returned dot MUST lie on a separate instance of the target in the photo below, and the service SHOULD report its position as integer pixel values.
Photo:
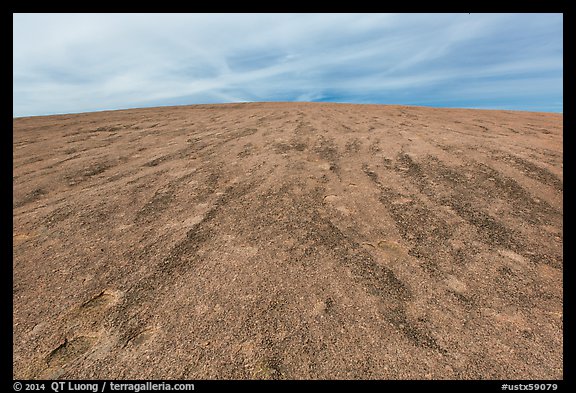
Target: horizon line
(284, 102)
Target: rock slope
(288, 241)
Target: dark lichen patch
(244, 133)
(406, 165)
(31, 160)
(374, 147)
(493, 231)
(387, 163)
(381, 281)
(428, 261)
(32, 196)
(304, 128)
(534, 171)
(353, 146)
(191, 150)
(468, 302)
(159, 160)
(299, 146)
(462, 255)
(109, 128)
(327, 149)
(94, 169)
(269, 368)
(247, 150)
(57, 216)
(285, 147)
(419, 336)
(329, 305)
(156, 205)
(70, 150)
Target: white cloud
(82, 62)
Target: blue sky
(68, 63)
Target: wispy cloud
(84, 62)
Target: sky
(70, 63)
